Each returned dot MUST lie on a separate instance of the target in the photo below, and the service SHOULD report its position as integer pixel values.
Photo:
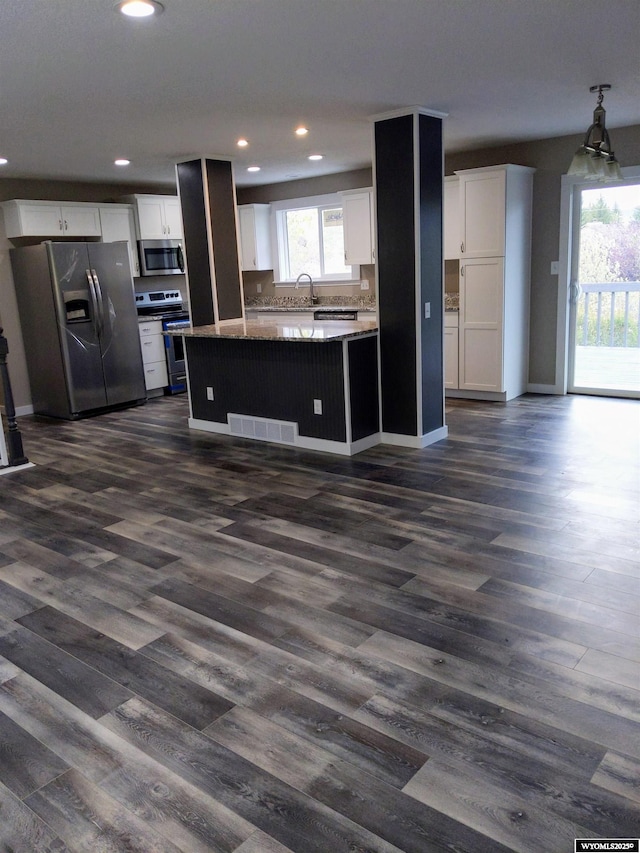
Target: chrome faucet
(312, 295)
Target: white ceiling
(81, 85)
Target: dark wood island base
(313, 386)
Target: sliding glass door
(604, 351)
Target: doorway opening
(604, 322)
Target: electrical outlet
(427, 310)
(209, 392)
(317, 407)
(364, 284)
(259, 287)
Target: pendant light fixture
(595, 158)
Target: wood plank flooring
(214, 645)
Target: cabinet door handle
(462, 247)
(66, 225)
(461, 270)
(168, 229)
(60, 224)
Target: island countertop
(318, 330)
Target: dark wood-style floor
(213, 645)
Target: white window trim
(568, 186)
(278, 208)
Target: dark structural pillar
(208, 201)
(13, 437)
(408, 179)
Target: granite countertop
(320, 331)
(308, 309)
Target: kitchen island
(309, 384)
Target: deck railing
(609, 314)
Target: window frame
(279, 210)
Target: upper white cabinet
(159, 217)
(25, 218)
(255, 236)
(117, 223)
(482, 213)
(357, 212)
(451, 218)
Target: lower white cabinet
(481, 325)
(153, 354)
(451, 349)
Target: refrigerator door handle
(94, 300)
(100, 300)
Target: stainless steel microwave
(160, 257)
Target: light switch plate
(555, 267)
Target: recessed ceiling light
(315, 156)
(253, 168)
(301, 131)
(242, 143)
(122, 161)
(3, 161)
(139, 8)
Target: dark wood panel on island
(323, 393)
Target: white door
(481, 324)
(117, 224)
(40, 220)
(151, 218)
(173, 218)
(358, 248)
(81, 221)
(482, 214)
(604, 310)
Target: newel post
(14, 439)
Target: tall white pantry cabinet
(495, 267)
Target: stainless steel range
(168, 307)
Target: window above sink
(309, 235)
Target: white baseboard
(534, 388)
(11, 469)
(418, 441)
(301, 441)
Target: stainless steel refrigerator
(80, 327)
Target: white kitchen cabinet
(451, 218)
(118, 224)
(357, 219)
(481, 314)
(255, 236)
(451, 349)
(159, 217)
(153, 355)
(495, 269)
(25, 218)
(482, 212)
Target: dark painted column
(207, 198)
(408, 177)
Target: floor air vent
(282, 432)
